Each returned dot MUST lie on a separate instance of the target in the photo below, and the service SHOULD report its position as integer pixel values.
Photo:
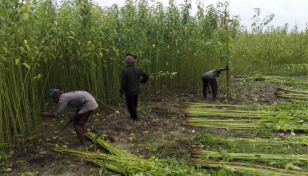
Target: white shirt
(211, 74)
(81, 100)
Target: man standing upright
(131, 84)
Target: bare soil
(160, 131)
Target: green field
(78, 45)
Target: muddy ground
(160, 131)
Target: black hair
(128, 54)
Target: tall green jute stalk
(20, 76)
(262, 53)
(2, 122)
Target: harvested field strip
(291, 116)
(228, 124)
(247, 141)
(248, 168)
(241, 124)
(201, 109)
(193, 111)
(289, 81)
(251, 107)
(292, 94)
(249, 156)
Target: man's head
(54, 95)
(130, 58)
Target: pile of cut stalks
(243, 117)
(128, 164)
(295, 95)
(247, 117)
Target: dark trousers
(213, 84)
(132, 102)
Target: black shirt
(130, 80)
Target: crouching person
(82, 100)
(209, 78)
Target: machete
(66, 126)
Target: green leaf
(28, 48)
(17, 61)
(305, 143)
(288, 165)
(22, 50)
(52, 55)
(145, 62)
(221, 172)
(21, 9)
(37, 77)
(26, 65)
(3, 155)
(295, 168)
(25, 16)
(3, 144)
(5, 49)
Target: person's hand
(72, 119)
(43, 114)
(140, 85)
(46, 114)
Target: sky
(286, 11)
